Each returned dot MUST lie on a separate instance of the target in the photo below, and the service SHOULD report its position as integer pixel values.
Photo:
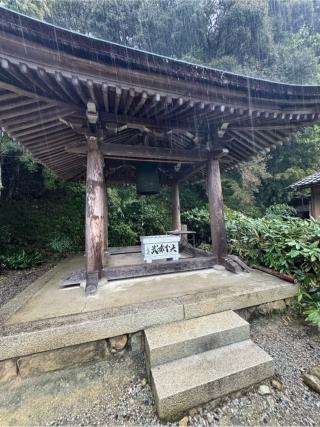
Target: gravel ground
(13, 282)
(115, 392)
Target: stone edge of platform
(13, 305)
(68, 356)
(18, 340)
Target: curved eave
(48, 74)
(98, 50)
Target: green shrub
(281, 210)
(21, 260)
(197, 219)
(289, 245)
(122, 235)
(278, 241)
(33, 230)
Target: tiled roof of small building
(308, 181)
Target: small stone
(143, 381)
(193, 412)
(312, 379)
(219, 267)
(184, 422)
(274, 306)
(8, 370)
(118, 343)
(264, 390)
(238, 394)
(277, 384)
(210, 418)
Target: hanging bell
(147, 178)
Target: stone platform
(45, 317)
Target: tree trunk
(216, 210)
(175, 200)
(95, 210)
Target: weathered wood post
(106, 219)
(315, 201)
(95, 212)
(175, 202)
(216, 209)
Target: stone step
(176, 340)
(194, 380)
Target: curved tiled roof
(308, 181)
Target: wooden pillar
(95, 211)
(216, 210)
(175, 202)
(106, 220)
(315, 201)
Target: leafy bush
(289, 245)
(21, 260)
(277, 241)
(122, 235)
(131, 216)
(36, 229)
(197, 219)
(281, 210)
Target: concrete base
(45, 317)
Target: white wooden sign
(160, 247)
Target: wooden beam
(291, 126)
(36, 131)
(144, 97)
(19, 102)
(78, 88)
(129, 100)
(95, 223)
(163, 123)
(62, 132)
(134, 152)
(39, 117)
(26, 93)
(216, 209)
(191, 171)
(143, 270)
(25, 112)
(7, 96)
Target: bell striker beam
(175, 201)
(216, 209)
(95, 215)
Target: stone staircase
(194, 361)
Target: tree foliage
(277, 39)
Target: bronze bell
(147, 176)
